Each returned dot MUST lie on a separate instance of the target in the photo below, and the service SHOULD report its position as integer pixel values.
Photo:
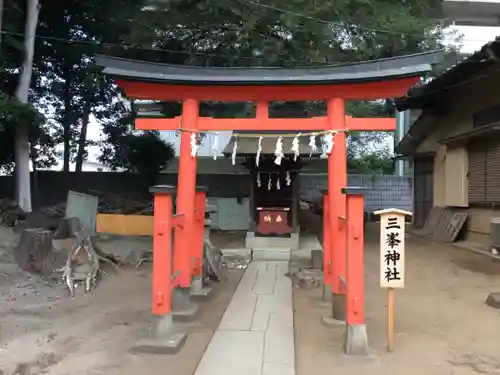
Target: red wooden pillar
(186, 187)
(356, 341)
(162, 250)
(337, 179)
(197, 237)
(327, 261)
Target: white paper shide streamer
(235, 148)
(312, 144)
(215, 146)
(259, 151)
(295, 147)
(327, 144)
(194, 145)
(259, 182)
(288, 178)
(279, 151)
(269, 182)
(278, 184)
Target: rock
(493, 300)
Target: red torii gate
(370, 80)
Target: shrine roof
(359, 72)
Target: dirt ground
(42, 330)
(442, 323)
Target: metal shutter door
(493, 171)
(477, 172)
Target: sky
(473, 39)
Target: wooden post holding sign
(392, 260)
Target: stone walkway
(255, 336)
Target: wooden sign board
(392, 247)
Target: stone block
(170, 345)
(203, 294)
(317, 259)
(183, 309)
(339, 302)
(493, 300)
(356, 340)
(166, 338)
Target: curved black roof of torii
(366, 71)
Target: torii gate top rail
(376, 79)
(384, 78)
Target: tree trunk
(34, 252)
(68, 119)
(1, 19)
(83, 136)
(22, 146)
(34, 182)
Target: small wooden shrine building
(274, 190)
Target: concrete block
(327, 292)
(278, 369)
(317, 259)
(356, 340)
(294, 241)
(183, 309)
(170, 345)
(279, 346)
(331, 322)
(166, 338)
(186, 315)
(203, 294)
(271, 254)
(339, 306)
(198, 291)
(493, 300)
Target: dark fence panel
(384, 191)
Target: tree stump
(68, 227)
(34, 252)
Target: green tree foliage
(287, 33)
(145, 153)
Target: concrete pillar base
(356, 340)
(327, 292)
(198, 291)
(166, 339)
(183, 309)
(330, 322)
(338, 306)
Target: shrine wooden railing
(166, 272)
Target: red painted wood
(197, 245)
(337, 179)
(186, 187)
(273, 221)
(355, 313)
(356, 91)
(327, 252)
(162, 254)
(264, 123)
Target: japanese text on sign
(269, 219)
(392, 250)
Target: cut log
(34, 252)
(68, 227)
